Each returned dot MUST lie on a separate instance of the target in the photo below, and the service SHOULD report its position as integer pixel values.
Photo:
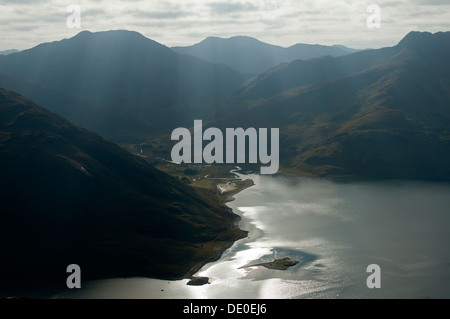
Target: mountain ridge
(317, 103)
(385, 116)
(252, 56)
(120, 70)
(6, 52)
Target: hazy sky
(26, 23)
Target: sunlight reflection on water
(335, 230)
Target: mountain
(68, 196)
(349, 50)
(117, 81)
(380, 113)
(299, 73)
(251, 56)
(6, 52)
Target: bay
(335, 229)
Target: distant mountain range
(68, 196)
(121, 83)
(377, 113)
(6, 52)
(116, 81)
(373, 113)
(251, 56)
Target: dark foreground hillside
(68, 196)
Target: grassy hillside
(387, 116)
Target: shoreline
(247, 183)
(220, 249)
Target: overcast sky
(26, 23)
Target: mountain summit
(116, 81)
(251, 56)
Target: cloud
(226, 7)
(26, 23)
(23, 2)
(432, 2)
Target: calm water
(336, 230)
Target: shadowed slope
(68, 196)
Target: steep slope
(118, 72)
(300, 73)
(389, 118)
(67, 196)
(101, 117)
(251, 56)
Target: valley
(86, 151)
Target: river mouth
(336, 230)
